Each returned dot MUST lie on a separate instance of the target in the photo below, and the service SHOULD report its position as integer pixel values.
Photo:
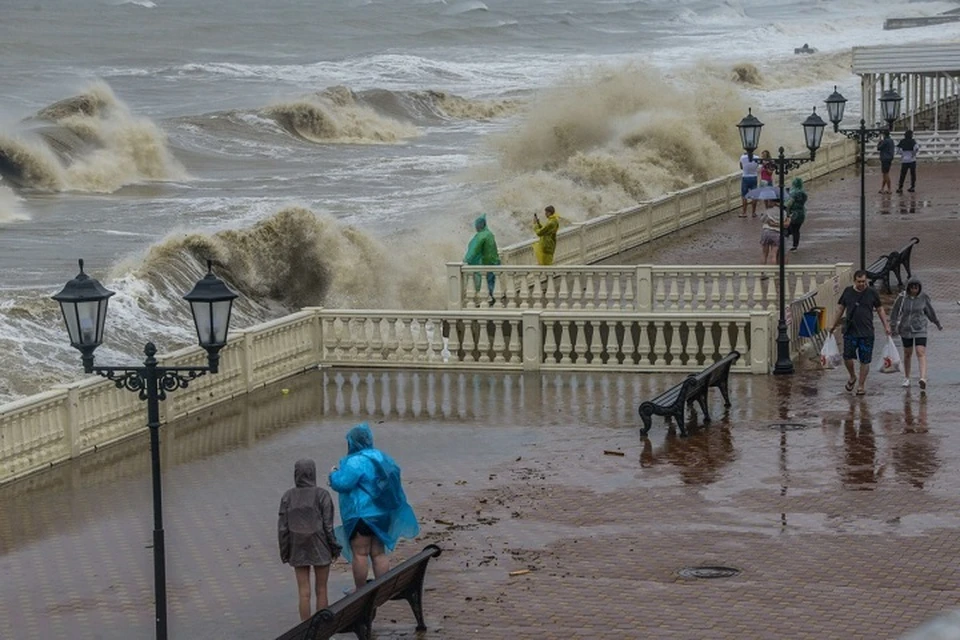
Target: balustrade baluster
(483, 340)
(611, 345)
(565, 345)
(643, 343)
(524, 290)
(660, 293)
(391, 343)
(469, 342)
(580, 346)
(472, 294)
(798, 292)
(376, 342)
(498, 342)
(715, 292)
(538, 301)
(660, 344)
(687, 301)
(595, 352)
(758, 292)
(724, 340)
(515, 350)
(686, 357)
(353, 340)
(674, 298)
(406, 340)
(551, 292)
(589, 292)
(564, 297)
(701, 298)
(616, 300)
(510, 288)
(740, 346)
(743, 299)
(629, 295)
(628, 345)
(549, 342)
(773, 291)
(576, 294)
(422, 344)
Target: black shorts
(908, 343)
(362, 529)
(885, 165)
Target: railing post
(644, 287)
(316, 334)
(71, 426)
(761, 338)
(248, 362)
(454, 286)
(532, 338)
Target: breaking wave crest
(10, 206)
(89, 142)
(297, 258)
(608, 138)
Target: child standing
(305, 533)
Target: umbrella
(766, 193)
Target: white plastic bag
(890, 362)
(830, 357)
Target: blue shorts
(746, 184)
(855, 348)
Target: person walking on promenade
(766, 174)
(857, 306)
(909, 318)
(483, 250)
(909, 148)
(306, 536)
(770, 231)
(796, 211)
(887, 149)
(546, 246)
(373, 507)
(749, 164)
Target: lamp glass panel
(221, 320)
(835, 109)
(88, 314)
(69, 310)
(890, 105)
(201, 318)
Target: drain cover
(788, 426)
(708, 572)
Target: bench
(354, 613)
(693, 388)
(883, 266)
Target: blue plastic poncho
(356, 482)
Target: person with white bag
(857, 306)
(910, 317)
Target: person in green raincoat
(546, 246)
(796, 210)
(483, 250)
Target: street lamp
(890, 108)
(83, 302)
(813, 127)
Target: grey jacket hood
(305, 473)
(916, 281)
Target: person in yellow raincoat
(546, 246)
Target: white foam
(11, 206)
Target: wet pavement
(840, 512)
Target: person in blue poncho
(483, 250)
(373, 506)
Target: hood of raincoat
(305, 473)
(359, 438)
(916, 281)
(797, 184)
(480, 223)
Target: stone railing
(72, 419)
(534, 340)
(632, 287)
(607, 235)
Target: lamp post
(83, 302)
(813, 127)
(890, 107)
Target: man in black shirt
(857, 305)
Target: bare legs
(303, 588)
(862, 378)
(885, 184)
(363, 546)
(921, 360)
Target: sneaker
(899, 190)
(910, 189)
(923, 383)
(793, 248)
(905, 383)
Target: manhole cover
(708, 572)
(788, 426)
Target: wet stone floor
(840, 512)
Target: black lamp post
(813, 128)
(890, 108)
(83, 302)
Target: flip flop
(861, 392)
(849, 385)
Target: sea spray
(11, 206)
(609, 137)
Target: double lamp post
(813, 127)
(83, 302)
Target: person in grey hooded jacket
(305, 533)
(910, 315)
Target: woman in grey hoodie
(909, 318)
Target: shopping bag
(830, 357)
(890, 362)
